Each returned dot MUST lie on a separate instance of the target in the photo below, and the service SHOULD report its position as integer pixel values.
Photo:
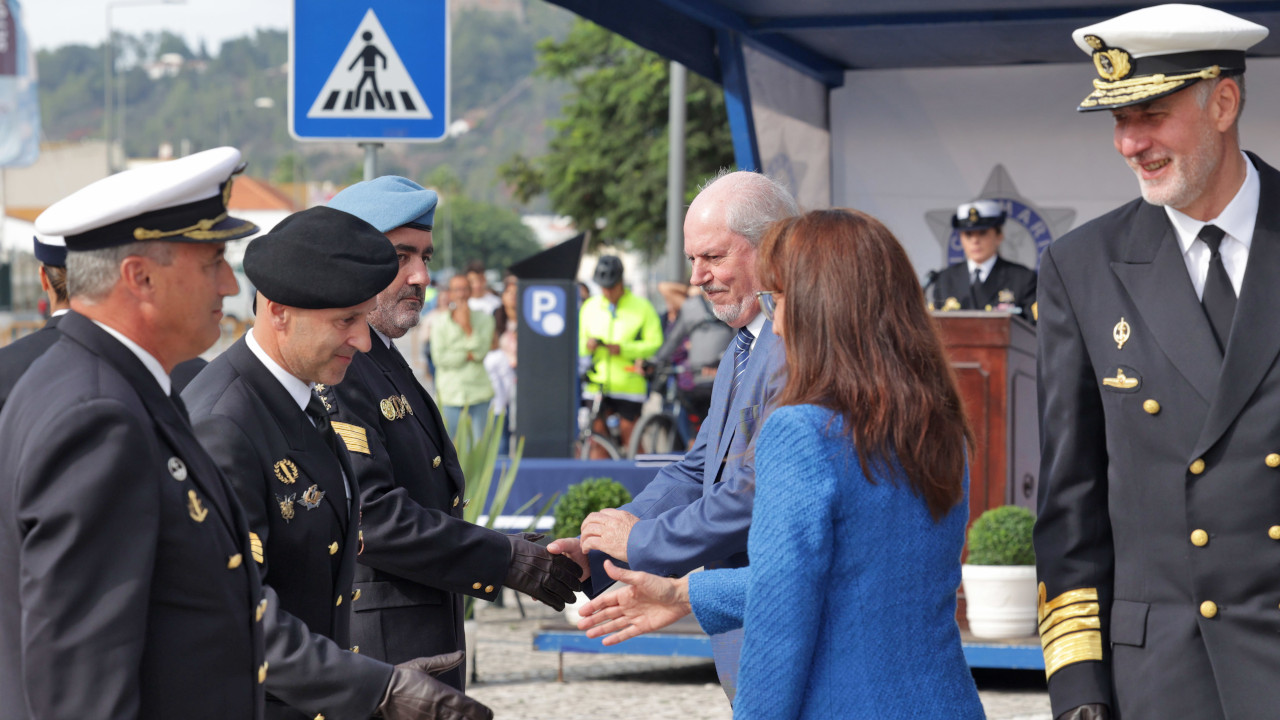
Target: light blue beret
(388, 202)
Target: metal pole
(370, 160)
(106, 92)
(675, 174)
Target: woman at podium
(984, 281)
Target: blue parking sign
(373, 70)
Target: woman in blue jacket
(848, 606)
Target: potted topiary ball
(579, 501)
(1000, 574)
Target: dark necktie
(741, 354)
(320, 418)
(1219, 297)
(182, 407)
(973, 288)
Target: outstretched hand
(647, 603)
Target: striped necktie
(741, 354)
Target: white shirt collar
(148, 360)
(298, 390)
(56, 313)
(755, 326)
(1237, 219)
(985, 267)
(386, 340)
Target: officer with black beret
(124, 586)
(984, 281)
(256, 409)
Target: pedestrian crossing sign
(375, 70)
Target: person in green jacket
(616, 329)
(460, 338)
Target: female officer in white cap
(984, 281)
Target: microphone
(930, 278)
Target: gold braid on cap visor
(1139, 88)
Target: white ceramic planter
(1000, 600)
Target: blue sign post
(371, 70)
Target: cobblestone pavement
(519, 683)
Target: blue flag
(19, 104)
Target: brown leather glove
(413, 694)
(547, 578)
(1092, 711)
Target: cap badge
(1112, 63)
(1120, 333)
(950, 304)
(973, 215)
(286, 471)
(286, 506)
(195, 509)
(177, 468)
(312, 497)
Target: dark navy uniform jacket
(419, 555)
(1008, 283)
(126, 585)
(305, 534)
(1158, 539)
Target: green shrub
(1002, 536)
(584, 498)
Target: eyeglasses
(767, 303)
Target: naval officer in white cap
(984, 281)
(1158, 535)
(126, 588)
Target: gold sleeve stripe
(1066, 613)
(1066, 598)
(1073, 648)
(1068, 627)
(353, 435)
(255, 547)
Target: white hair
(92, 273)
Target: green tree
(476, 229)
(608, 158)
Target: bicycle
(589, 442)
(659, 432)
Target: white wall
(905, 142)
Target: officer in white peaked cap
(1159, 510)
(984, 281)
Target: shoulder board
(353, 435)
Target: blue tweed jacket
(848, 606)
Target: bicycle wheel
(656, 433)
(598, 445)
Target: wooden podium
(994, 357)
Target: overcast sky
(53, 23)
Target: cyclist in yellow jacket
(616, 329)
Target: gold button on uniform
(1273, 532)
(488, 589)
(1273, 460)
(355, 595)
(1151, 406)
(435, 461)
(355, 649)
(319, 716)
(1197, 467)
(333, 548)
(262, 673)
(234, 561)
(1208, 608)
(455, 501)
(1199, 538)
(262, 610)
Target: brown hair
(860, 342)
(57, 280)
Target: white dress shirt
(984, 269)
(148, 360)
(1237, 221)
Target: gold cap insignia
(1112, 64)
(1004, 296)
(312, 497)
(286, 506)
(973, 215)
(950, 304)
(195, 509)
(1120, 333)
(286, 471)
(177, 468)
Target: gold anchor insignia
(195, 509)
(950, 304)
(388, 409)
(312, 497)
(286, 471)
(1120, 333)
(286, 506)
(973, 214)
(1121, 381)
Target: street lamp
(109, 68)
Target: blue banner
(19, 103)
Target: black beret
(321, 258)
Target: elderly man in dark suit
(984, 281)
(420, 557)
(1159, 529)
(124, 586)
(255, 408)
(697, 512)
